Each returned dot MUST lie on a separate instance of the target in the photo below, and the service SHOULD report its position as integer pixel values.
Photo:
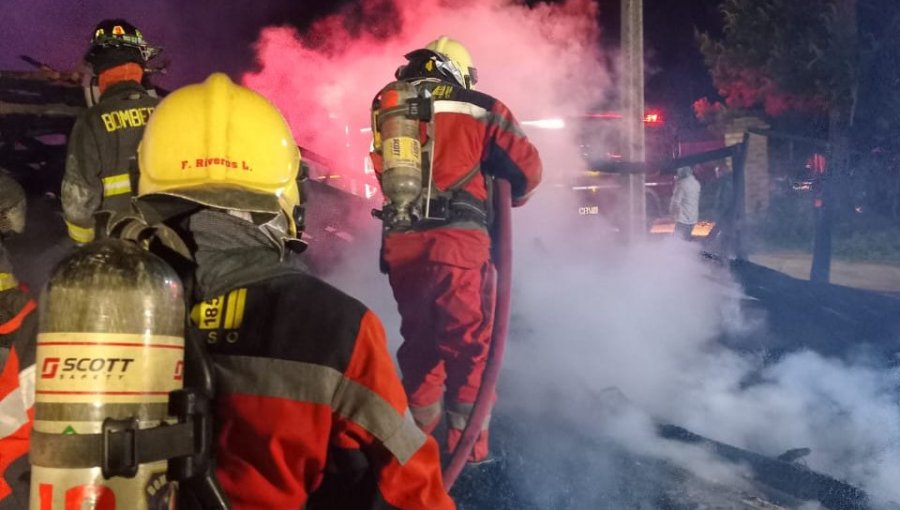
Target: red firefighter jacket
(310, 410)
(475, 134)
(18, 331)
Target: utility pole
(834, 200)
(632, 102)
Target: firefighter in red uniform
(440, 270)
(309, 409)
(101, 167)
(18, 327)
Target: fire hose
(502, 254)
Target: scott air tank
(110, 347)
(395, 128)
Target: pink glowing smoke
(541, 61)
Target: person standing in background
(685, 205)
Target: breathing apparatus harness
(192, 406)
(402, 117)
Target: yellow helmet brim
(224, 196)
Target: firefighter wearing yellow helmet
(443, 57)
(459, 56)
(243, 163)
(437, 225)
(303, 373)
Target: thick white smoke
(588, 313)
(646, 319)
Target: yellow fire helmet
(221, 145)
(459, 55)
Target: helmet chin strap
(276, 230)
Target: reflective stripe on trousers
(458, 416)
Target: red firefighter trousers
(443, 281)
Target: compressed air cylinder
(110, 345)
(401, 150)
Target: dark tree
(784, 55)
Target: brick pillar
(756, 169)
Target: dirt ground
(882, 277)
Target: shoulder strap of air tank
(462, 181)
(428, 146)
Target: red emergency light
(653, 118)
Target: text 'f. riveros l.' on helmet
(221, 145)
(459, 55)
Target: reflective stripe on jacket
(309, 407)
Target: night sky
(203, 36)
(675, 74)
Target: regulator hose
(502, 248)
